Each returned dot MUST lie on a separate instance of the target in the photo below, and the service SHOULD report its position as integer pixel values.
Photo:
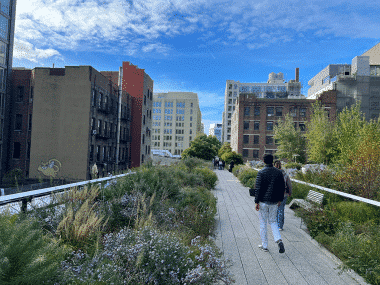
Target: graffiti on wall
(50, 168)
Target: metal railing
(346, 195)
(27, 197)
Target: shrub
(13, 177)
(81, 227)
(237, 158)
(251, 183)
(237, 169)
(27, 256)
(149, 257)
(247, 174)
(359, 252)
(209, 177)
(320, 221)
(357, 212)
(293, 165)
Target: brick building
(64, 120)
(254, 118)
(136, 82)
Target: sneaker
(281, 247)
(281, 229)
(263, 248)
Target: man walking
(269, 193)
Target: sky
(196, 45)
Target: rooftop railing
(21, 200)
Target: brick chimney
(297, 74)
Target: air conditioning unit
(94, 132)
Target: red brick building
(139, 86)
(254, 119)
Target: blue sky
(196, 45)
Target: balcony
(105, 109)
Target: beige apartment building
(176, 121)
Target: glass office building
(7, 24)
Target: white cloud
(25, 50)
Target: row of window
(170, 104)
(107, 153)
(275, 111)
(170, 118)
(169, 138)
(256, 139)
(270, 125)
(255, 153)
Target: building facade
(7, 26)
(276, 87)
(254, 119)
(65, 120)
(176, 121)
(136, 82)
(355, 82)
(216, 130)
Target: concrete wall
(60, 123)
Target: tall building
(136, 82)
(216, 130)
(275, 87)
(65, 120)
(176, 121)
(254, 119)
(358, 81)
(7, 20)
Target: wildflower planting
(153, 227)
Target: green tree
(226, 147)
(237, 158)
(290, 141)
(348, 132)
(320, 136)
(203, 146)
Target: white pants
(268, 213)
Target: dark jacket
(270, 185)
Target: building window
(256, 139)
(229, 94)
(246, 125)
(256, 125)
(168, 104)
(16, 149)
(100, 100)
(180, 111)
(181, 105)
(302, 112)
(245, 139)
(302, 127)
(104, 153)
(191, 118)
(191, 111)
(245, 152)
(143, 119)
(255, 153)
(31, 92)
(269, 126)
(246, 111)
(18, 122)
(30, 122)
(191, 125)
(28, 151)
(293, 112)
(278, 111)
(91, 152)
(20, 93)
(229, 86)
(168, 118)
(97, 153)
(269, 140)
(270, 111)
(144, 99)
(257, 111)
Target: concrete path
(238, 235)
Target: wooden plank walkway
(238, 235)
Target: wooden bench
(312, 201)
